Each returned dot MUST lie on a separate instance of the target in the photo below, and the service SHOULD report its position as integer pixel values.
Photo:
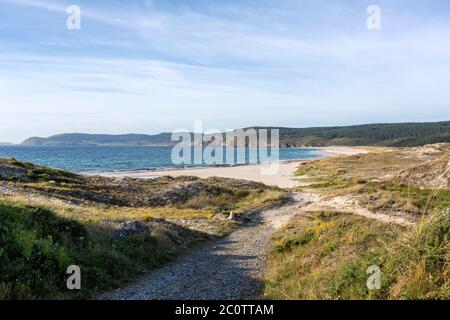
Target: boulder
(127, 229)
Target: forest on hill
(387, 134)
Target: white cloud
(290, 63)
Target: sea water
(92, 159)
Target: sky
(147, 66)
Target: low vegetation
(327, 255)
(411, 180)
(37, 246)
(50, 219)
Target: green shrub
(301, 239)
(36, 247)
(145, 249)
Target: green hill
(395, 134)
(383, 134)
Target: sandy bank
(283, 178)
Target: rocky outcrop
(127, 229)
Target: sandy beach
(283, 177)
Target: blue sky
(154, 65)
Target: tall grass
(326, 256)
(418, 266)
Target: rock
(127, 229)
(179, 193)
(220, 216)
(4, 189)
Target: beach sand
(283, 177)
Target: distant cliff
(384, 134)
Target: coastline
(283, 178)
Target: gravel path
(231, 268)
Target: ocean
(98, 159)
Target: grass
(383, 180)
(419, 265)
(386, 196)
(40, 239)
(205, 207)
(50, 219)
(234, 200)
(57, 219)
(326, 255)
(38, 246)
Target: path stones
(230, 268)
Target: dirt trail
(231, 268)
(347, 204)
